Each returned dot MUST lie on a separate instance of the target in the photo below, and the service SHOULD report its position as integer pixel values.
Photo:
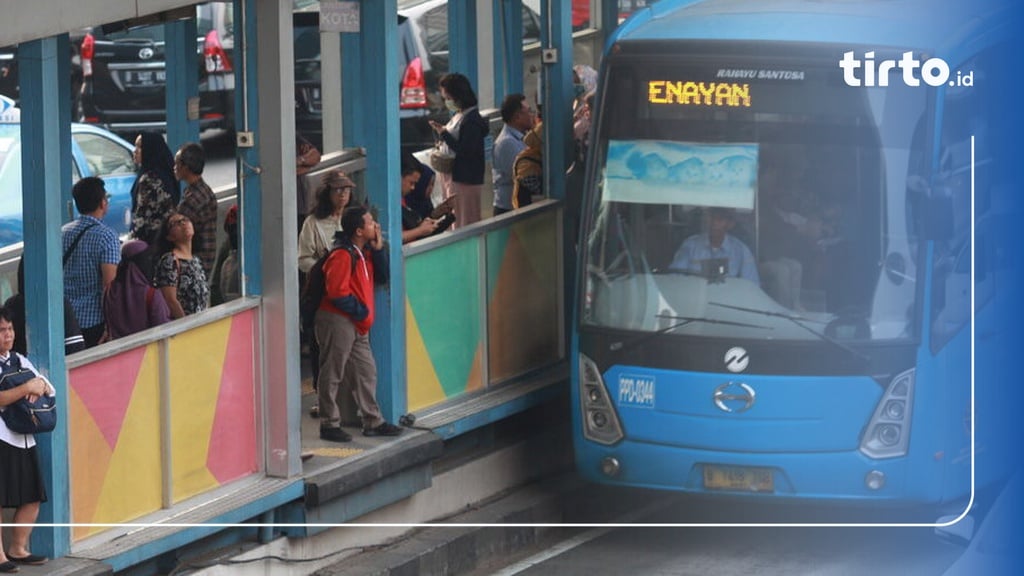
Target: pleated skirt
(21, 481)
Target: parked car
(124, 75)
(423, 59)
(9, 86)
(94, 152)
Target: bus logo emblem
(736, 359)
(734, 397)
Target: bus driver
(699, 250)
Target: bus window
(815, 176)
(966, 115)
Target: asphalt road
(762, 550)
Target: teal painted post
(378, 101)
(556, 24)
(508, 55)
(43, 93)
(182, 82)
(462, 39)
(67, 206)
(250, 196)
(352, 112)
(609, 10)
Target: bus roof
(938, 27)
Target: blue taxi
(94, 151)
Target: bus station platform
(340, 483)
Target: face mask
(579, 89)
(450, 104)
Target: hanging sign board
(339, 17)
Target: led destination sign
(723, 94)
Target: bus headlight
(600, 422)
(886, 435)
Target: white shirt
(13, 438)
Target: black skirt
(21, 481)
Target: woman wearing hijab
(132, 304)
(156, 191)
(464, 134)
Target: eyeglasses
(179, 221)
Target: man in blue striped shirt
(91, 254)
(518, 119)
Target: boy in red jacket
(343, 324)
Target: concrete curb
(468, 541)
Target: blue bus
(774, 289)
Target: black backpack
(315, 288)
(22, 416)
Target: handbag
(442, 158)
(26, 417)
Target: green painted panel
(496, 246)
(443, 289)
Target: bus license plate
(738, 478)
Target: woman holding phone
(464, 134)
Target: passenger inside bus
(796, 232)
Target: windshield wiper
(797, 320)
(683, 321)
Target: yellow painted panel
(196, 361)
(134, 481)
(424, 388)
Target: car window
(531, 27)
(217, 16)
(307, 43)
(104, 156)
(435, 29)
(154, 33)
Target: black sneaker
(335, 435)
(384, 429)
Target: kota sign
(339, 17)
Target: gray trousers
(346, 361)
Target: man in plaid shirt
(91, 254)
(198, 203)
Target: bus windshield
(752, 200)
